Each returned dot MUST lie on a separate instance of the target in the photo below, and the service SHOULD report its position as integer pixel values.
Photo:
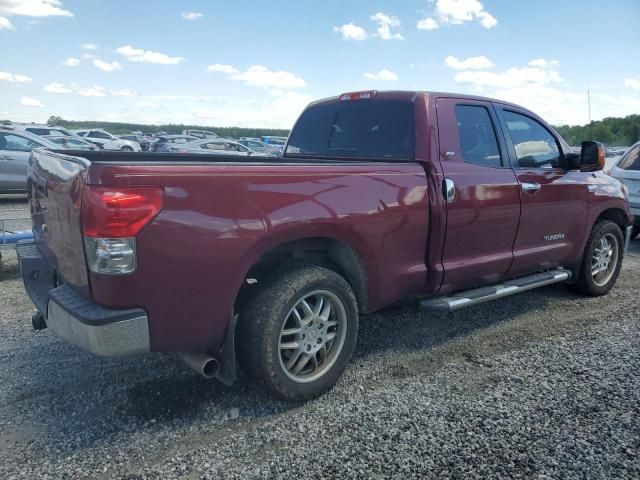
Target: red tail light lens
(119, 212)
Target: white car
(107, 141)
(200, 134)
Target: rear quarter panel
(218, 219)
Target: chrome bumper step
(485, 294)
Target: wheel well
(324, 252)
(616, 215)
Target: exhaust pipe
(202, 363)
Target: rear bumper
(79, 321)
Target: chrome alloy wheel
(312, 336)
(605, 259)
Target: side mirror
(592, 157)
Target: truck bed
(220, 216)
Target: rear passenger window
(535, 146)
(478, 142)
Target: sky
(258, 64)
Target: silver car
(72, 143)
(15, 149)
(627, 170)
(214, 146)
(45, 130)
(261, 147)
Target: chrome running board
(485, 294)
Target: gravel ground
(544, 385)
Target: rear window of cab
(359, 129)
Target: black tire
(265, 315)
(635, 233)
(586, 282)
(126, 149)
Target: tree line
(611, 131)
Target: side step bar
(485, 294)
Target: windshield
(355, 129)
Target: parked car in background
(260, 147)
(72, 143)
(44, 130)
(166, 142)
(107, 141)
(142, 140)
(200, 134)
(380, 198)
(627, 170)
(274, 140)
(15, 149)
(214, 146)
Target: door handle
(448, 190)
(530, 187)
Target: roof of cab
(411, 95)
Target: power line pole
(589, 104)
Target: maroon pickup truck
(379, 198)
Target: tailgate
(54, 184)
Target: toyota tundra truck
(264, 265)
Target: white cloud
(14, 78)
(33, 8)
(145, 104)
(543, 63)
(191, 15)
(71, 62)
(351, 31)
(218, 67)
(5, 23)
(633, 83)
(385, 23)
(279, 110)
(383, 74)
(88, 56)
(106, 66)
(457, 12)
(95, 91)
(89, 46)
(471, 63)
(31, 102)
(260, 76)
(540, 87)
(56, 88)
(125, 92)
(427, 24)
(147, 56)
(512, 78)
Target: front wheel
(298, 332)
(126, 149)
(602, 259)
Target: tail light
(111, 219)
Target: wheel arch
(324, 251)
(616, 215)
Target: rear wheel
(298, 332)
(126, 149)
(602, 259)
(635, 233)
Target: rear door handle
(530, 187)
(448, 190)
